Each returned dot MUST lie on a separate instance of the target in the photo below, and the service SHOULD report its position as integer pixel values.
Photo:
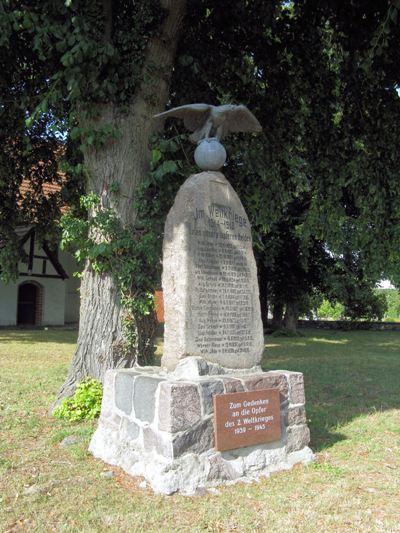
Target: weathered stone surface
(304, 456)
(295, 416)
(222, 469)
(144, 397)
(297, 438)
(188, 460)
(197, 440)
(254, 460)
(232, 385)
(179, 406)
(146, 369)
(191, 368)
(160, 443)
(114, 421)
(106, 443)
(129, 430)
(296, 387)
(211, 299)
(215, 369)
(124, 390)
(107, 402)
(268, 380)
(208, 390)
(180, 455)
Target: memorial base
(160, 425)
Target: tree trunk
(124, 162)
(277, 316)
(291, 316)
(263, 285)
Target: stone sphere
(210, 154)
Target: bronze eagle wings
(206, 120)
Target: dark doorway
(27, 304)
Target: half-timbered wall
(58, 298)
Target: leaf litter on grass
(353, 400)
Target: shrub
(393, 301)
(330, 311)
(85, 404)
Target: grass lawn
(353, 405)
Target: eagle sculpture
(206, 120)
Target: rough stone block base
(160, 425)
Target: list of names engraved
(211, 298)
(220, 243)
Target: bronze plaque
(246, 418)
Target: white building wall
(53, 301)
(8, 304)
(61, 298)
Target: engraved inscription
(211, 298)
(246, 418)
(222, 292)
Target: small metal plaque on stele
(246, 418)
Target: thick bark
(123, 161)
(291, 316)
(100, 342)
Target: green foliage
(127, 252)
(58, 61)
(98, 54)
(95, 137)
(366, 305)
(363, 304)
(85, 404)
(320, 185)
(330, 311)
(9, 258)
(393, 304)
(130, 252)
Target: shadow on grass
(347, 374)
(29, 336)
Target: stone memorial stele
(209, 415)
(211, 300)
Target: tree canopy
(81, 81)
(320, 185)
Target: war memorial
(209, 414)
